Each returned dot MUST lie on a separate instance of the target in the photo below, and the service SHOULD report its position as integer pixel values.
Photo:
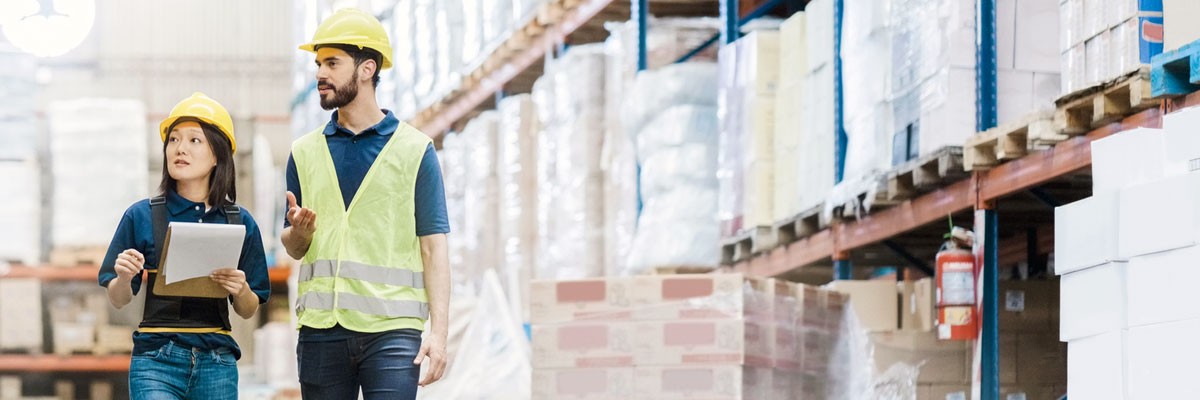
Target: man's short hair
(359, 56)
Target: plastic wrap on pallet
(816, 142)
(1096, 59)
(492, 356)
(672, 116)
(819, 33)
(667, 40)
(18, 128)
(1070, 24)
(570, 102)
(90, 135)
(519, 130)
(790, 114)
(867, 73)
(20, 213)
(1074, 73)
(21, 314)
(481, 205)
(455, 162)
(723, 335)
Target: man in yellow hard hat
(367, 216)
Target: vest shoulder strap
(158, 214)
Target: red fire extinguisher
(955, 292)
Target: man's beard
(341, 97)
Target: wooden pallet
(1086, 109)
(73, 256)
(1176, 72)
(925, 173)
(1002, 143)
(747, 244)
(855, 205)
(798, 227)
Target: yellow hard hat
(203, 108)
(353, 27)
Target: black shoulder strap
(233, 214)
(158, 213)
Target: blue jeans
(178, 372)
(380, 363)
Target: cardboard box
(1070, 22)
(700, 382)
(1162, 360)
(1161, 287)
(1036, 20)
(1181, 134)
(1028, 306)
(1128, 159)
(712, 296)
(1085, 233)
(731, 342)
(960, 391)
(1093, 301)
(793, 49)
(584, 345)
(1096, 367)
(1007, 34)
(21, 314)
(1014, 99)
(71, 337)
(583, 383)
(917, 305)
(1008, 358)
(561, 301)
(101, 390)
(1178, 23)
(119, 339)
(1042, 360)
(10, 387)
(1096, 65)
(876, 303)
(940, 361)
(1142, 230)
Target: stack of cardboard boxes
(1104, 39)
(1127, 259)
(900, 319)
(749, 75)
(685, 336)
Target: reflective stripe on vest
(363, 272)
(363, 304)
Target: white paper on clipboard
(195, 249)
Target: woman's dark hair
(359, 56)
(222, 189)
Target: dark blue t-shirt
(136, 231)
(353, 156)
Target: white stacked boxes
(1127, 324)
(750, 73)
(20, 212)
(21, 314)
(789, 117)
(519, 129)
(677, 336)
(1104, 39)
(91, 135)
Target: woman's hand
(129, 264)
(232, 280)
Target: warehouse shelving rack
(81, 363)
(1014, 201)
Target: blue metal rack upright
(985, 118)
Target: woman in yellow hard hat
(183, 348)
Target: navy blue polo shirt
(353, 156)
(136, 231)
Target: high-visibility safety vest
(363, 269)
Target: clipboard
(194, 287)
